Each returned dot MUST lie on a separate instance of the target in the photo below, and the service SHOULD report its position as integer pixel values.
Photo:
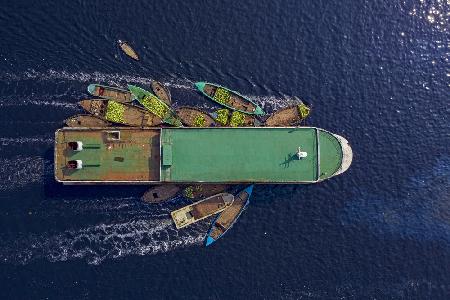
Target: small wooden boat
(228, 98)
(194, 117)
(120, 113)
(161, 91)
(229, 216)
(202, 209)
(224, 117)
(289, 116)
(155, 105)
(161, 193)
(128, 50)
(86, 121)
(199, 191)
(109, 92)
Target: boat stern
(200, 85)
(85, 104)
(209, 240)
(91, 88)
(259, 111)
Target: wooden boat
(128, 50)
(120, 113)
(161, 91)
(155, 105)
(161, 193)
(229, 216)
(86, 121)
(202, 209)
(289, 116)
(199, 191)
(194, 117)
(228, 98)
(109, 92)
(224, 117)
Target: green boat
(155, 105)
(218, 155)
(228, 98)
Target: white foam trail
(25, 101)
(6, 141)
(103, 241)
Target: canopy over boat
(229, 98)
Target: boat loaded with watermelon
(133, 136)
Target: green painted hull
(155, 105)
(244, 101)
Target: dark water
(376, 72)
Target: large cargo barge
(198, 155)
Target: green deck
(247, 155)
(215, 155)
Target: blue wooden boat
(229, 216)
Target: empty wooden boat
(128, 50)
(228, 98)
(194, 117)
(289, 116)
(86, 121)
(202, 209)
(161, 193)
(109, 92)
(161, 91)
(120, 113)
(229, 216)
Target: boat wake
(104, 241)
(121, 80)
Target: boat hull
(86, 121)
(125, 155)
(154, 105)
(161, 91)
(289, 116)
(161, 193)
(108, 92)
(193, 117)
(120, 113)
(229, 98)
(128, 50)
(202, 209)
(228, 217)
